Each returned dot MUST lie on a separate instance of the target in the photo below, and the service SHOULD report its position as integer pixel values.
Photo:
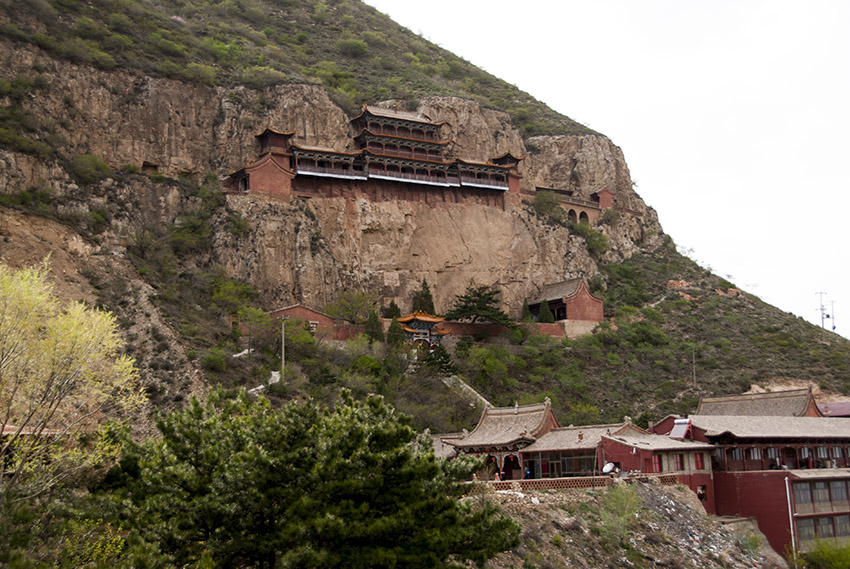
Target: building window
(772, 453)
(698, 461)
(825, 528)
(755, 453)
(656, 463)
(838, 491)
(837, 452)
(842, 526)
(821, 492)
(737, 454)
(313, 326)
(679, 461)
(802, 494)
(805, 452)
(823, 453)
(806, 529)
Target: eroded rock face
(309, 250)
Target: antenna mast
(822, 310)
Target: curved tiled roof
(273, 131)
(791, 403)
(422, 316)
(561, 290)
(392, 114)
(503, 426)
(569, 438)
(773, 427)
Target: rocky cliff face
(309, 250)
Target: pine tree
(392, 311)
(545, 316)
(373, 329)
(422, 300)
(526, 313)
(395, 334)
(300, 486)
(479, 304)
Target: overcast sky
(734, 118)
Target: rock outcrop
(309, 250)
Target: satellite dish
(608, 468)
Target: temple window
(837, 452)
(679, 461)
(698, 461)
(390, 149)
(417, 133)
(656, 463)
(825, 528)
(822, 453)
(583, 219)
(806, 529)
(842, 526)
(420, 153)
(403, 131)
(572, 217)
(821, 492)
(755, 453)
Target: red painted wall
(760, 495)
(271, 178)
(584, 306)
(304, 313)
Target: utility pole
(282, 347)
(822, 310)
(832, 314)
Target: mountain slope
(112, 157)
(357, 53)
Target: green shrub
(201, 73)
(352, 47)
(88, 169)
(597, 242)
(214, 360)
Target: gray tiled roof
(557, 291)
(657, 442)
(791, 403)
(442, 448)
(567, 438)
(500, 426)
(821, 473)
(773, 427)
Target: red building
(764, 466)
(634, 450)
(317, 321)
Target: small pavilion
(423, 329)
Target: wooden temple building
(502, 433)
(397, 155)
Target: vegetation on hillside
(357, 53)
(674, 332)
